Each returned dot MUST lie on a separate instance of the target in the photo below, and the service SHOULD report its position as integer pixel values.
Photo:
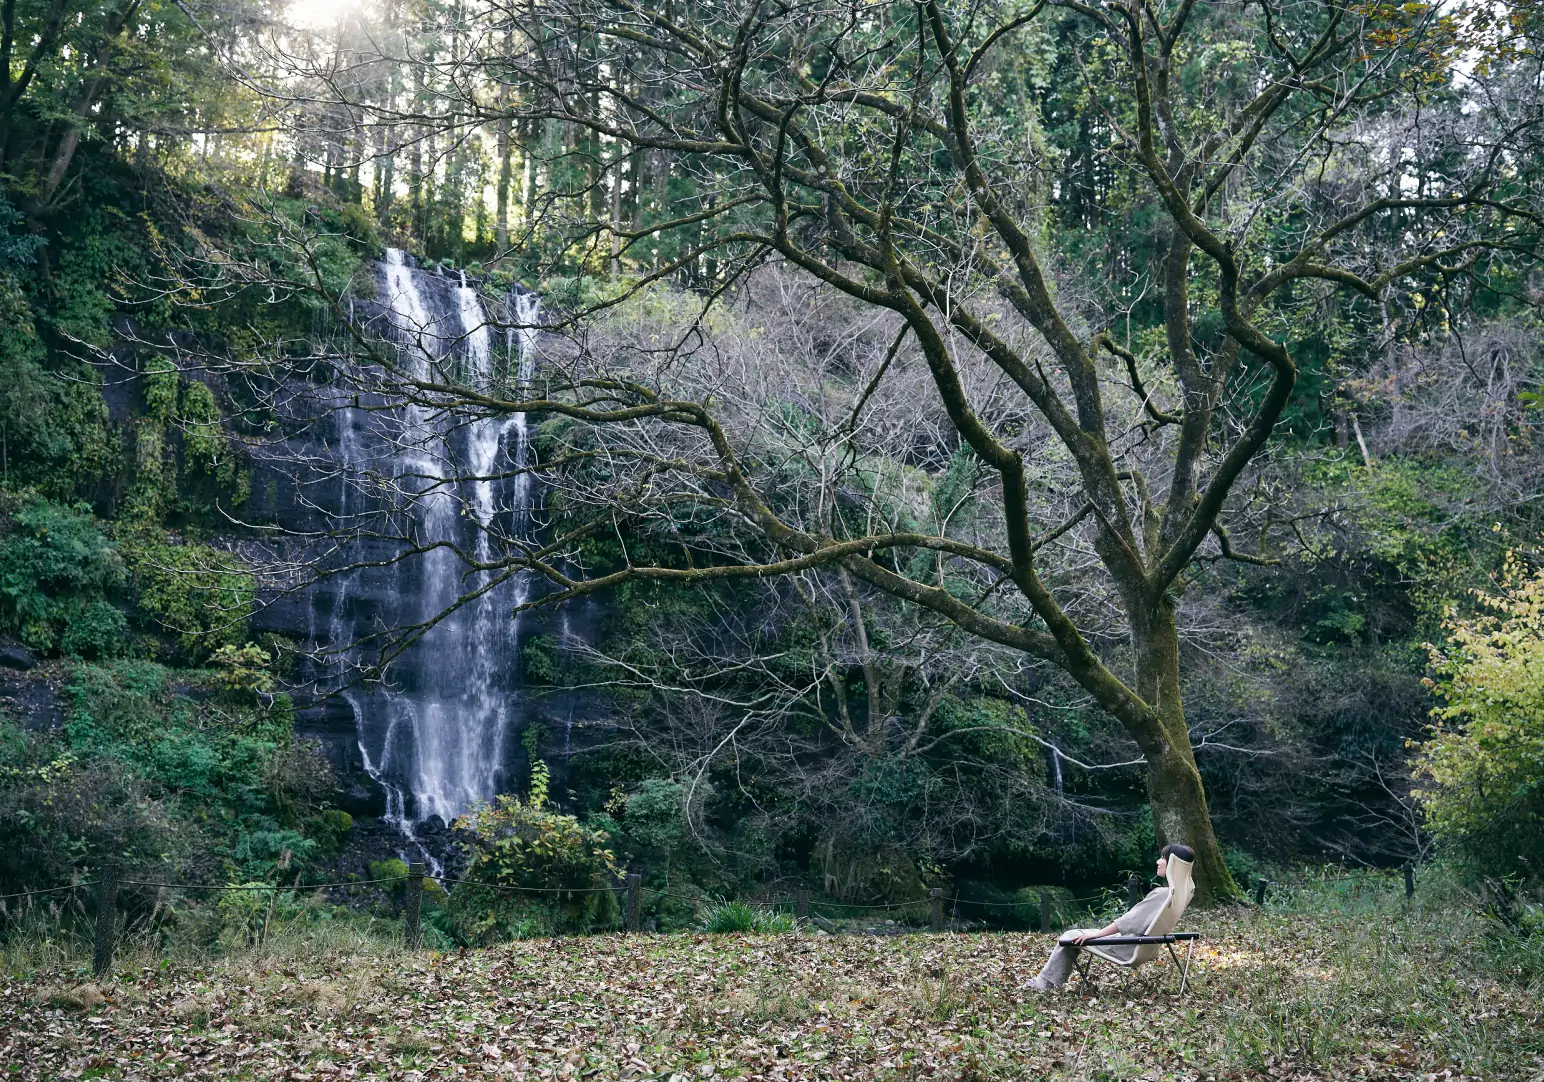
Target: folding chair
(1143, 943)
(1132, 951)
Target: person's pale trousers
(1059, 966)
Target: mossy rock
(392, 869)
(331, 827)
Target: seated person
(1135, 921)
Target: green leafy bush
(654, 823)
(63, 808)
(242, 673)
(243, 908)
(331, 827)
(566, 869)
(240, 787)
(53, 422)
(1244, 867)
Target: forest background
(195, 196)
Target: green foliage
(56, 572)
(63, 807)
(200, 595)
(566, 867)
(53, 422)
(1245, 868)
(206, 452)
(330, 828)
(580, 291)
(242, 672)
(1412, 532)
(16, 249)
(159, 387)
(1484, 760)
(539, 659)
(655, 815)
(183, 463)
(103, 244)
(98, 630)
(243, 909)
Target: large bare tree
(1289, 153)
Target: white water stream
(438, 738)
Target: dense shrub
(56, 572)
(53, 431)
(1484, 762)
(243, 673)
(330, 828)
(137, 755)
(201, 596)
(566, 869)
(98, 630)
(63, 808)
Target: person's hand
(1084, 938)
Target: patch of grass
(938, 998)
(740, 918)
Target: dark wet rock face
(28, 692)
(16, 657)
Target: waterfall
(438, 734)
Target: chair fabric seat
(1139, 945)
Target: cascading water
(438, 734)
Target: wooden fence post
(1045, 912)
(801, 904)
(273, 895)
(1134, 891)
(1409, 880)
(1259, 890)
(937, 894)
(106, 917)
(412, 915)
(634, 902)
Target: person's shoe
(1040, 984)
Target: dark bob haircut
(1184, 852)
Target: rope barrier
(266, 886)
(1368, 877)
(46, 890)
(518, 889)
(912, 905)
(813, 903)
(955, 902)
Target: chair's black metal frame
(1086, 957)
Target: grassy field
(1327, 983)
